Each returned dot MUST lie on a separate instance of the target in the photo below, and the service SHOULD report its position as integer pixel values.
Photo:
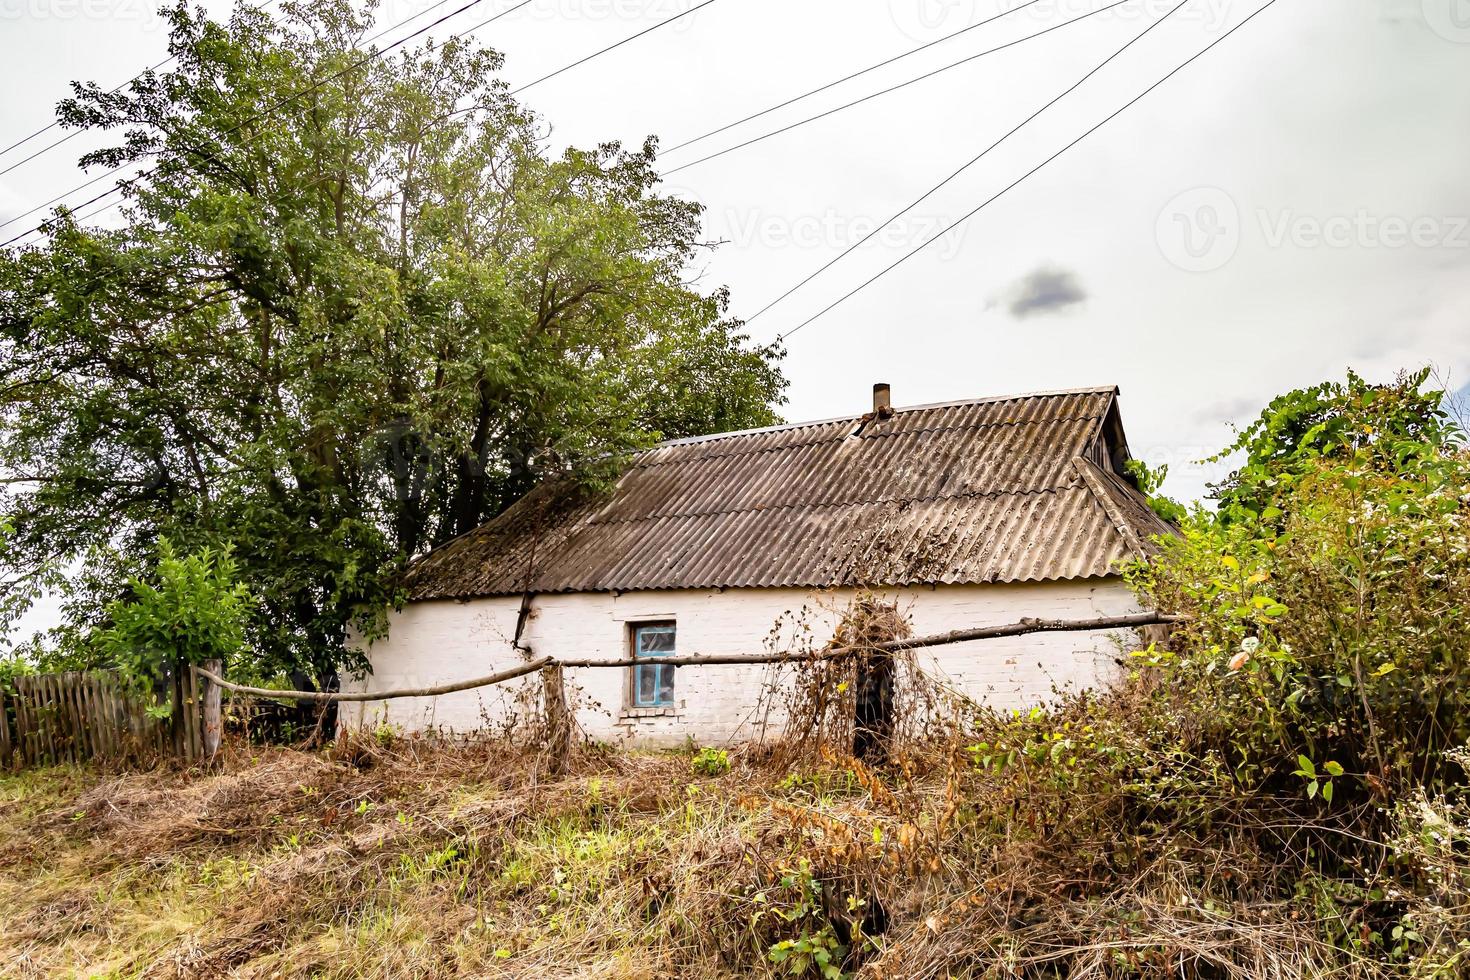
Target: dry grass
(413, 860)
(416, 860)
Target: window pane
(655, 640)
(653, 684)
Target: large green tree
(355, 310)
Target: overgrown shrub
(192, 611)
(1333, 628)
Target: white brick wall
(435, 642)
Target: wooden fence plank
(4, 731)
(56, 712)
(64, 719)
(195, 712)
(196, 738)
(82, 693)
(18, 738)
(33, 721)
(94, 723)
(60, 719)
(22, 723)
(79, 713)
(212, 723)
(107, 711)
(46, 721)
(120, 745)
(99, 712)
(75, 723)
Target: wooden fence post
(22, 724)
(558, 720)
(210, 709)
(177, 736)
(4, 732)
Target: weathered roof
(1015, 489)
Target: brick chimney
(882, 401)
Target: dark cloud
(1045, 290)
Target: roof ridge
(641, 462)
(981, 495)
(982, 400)
(1119, 520)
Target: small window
(653, 683)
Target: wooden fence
(79, 716)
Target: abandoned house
(965, 514)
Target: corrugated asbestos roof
(1015, 489)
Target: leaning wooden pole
(1021, 628)
(558, 720)
(418, 692)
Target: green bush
(1326, 636)
(192, 611)
(710, 762)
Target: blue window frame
(653, 682)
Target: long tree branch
(913, 643)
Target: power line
(891, 88)
(848, 78)
(971, 162)
(966, 217)
(614, 46)
(514, 91)
(152, 68)
(581, 61)
(112, 91)
(377, 53)
(69, 136)
(54, 123)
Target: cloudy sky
(1291, 204)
